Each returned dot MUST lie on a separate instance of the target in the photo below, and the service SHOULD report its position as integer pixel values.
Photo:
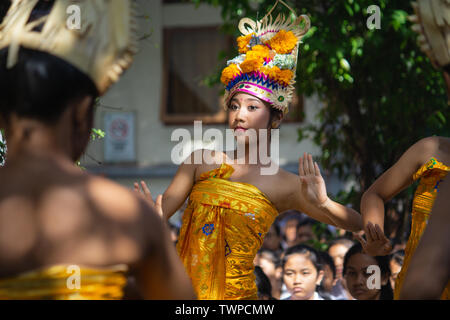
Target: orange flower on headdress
(229, 73)
(283, 76)
(243, 42)
(255, 58)
(283, 42)
(259, 51)
(250, 65)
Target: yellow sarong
(223, 227)
(62, 282)
(431, 174)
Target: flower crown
(102, 46)
(268, 57)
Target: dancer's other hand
(147, 195)
(377, 244)
(313, 185)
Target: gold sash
(60, 283)
(223, 227)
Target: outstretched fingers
(317, 170)
(159, 205)
(301, 169)
(143, 190)
(386, 242)
(371, 232)
(311, 165)
(361, 240)
(306, 163)
(146, 190)
(380, 234)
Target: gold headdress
(268, 57)
(102, 46)
(432, 22)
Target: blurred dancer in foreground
(65, 234)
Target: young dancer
(231, 204)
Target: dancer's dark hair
(41, 86)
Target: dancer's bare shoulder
(286, 188)
(426, 148)
(401, 174)
(208, 160)
(91, 221)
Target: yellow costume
(223, 228)
(430, 175)
(61, 283)
(101, 45)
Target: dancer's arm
(429, 269)
(310, 196)
(180, 187)
(178, 190)
(392, 182)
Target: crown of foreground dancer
(432, 22)
(268, 57)
(102, 47)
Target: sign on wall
(119, 138)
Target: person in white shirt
(302, 272)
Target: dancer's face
(247, 112)
(301, 277)
(357, 276)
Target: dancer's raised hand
(377, 244)
(147, 195)
(313, 185)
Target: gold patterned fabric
(431, 174)
(223, 227)
(60, 283)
